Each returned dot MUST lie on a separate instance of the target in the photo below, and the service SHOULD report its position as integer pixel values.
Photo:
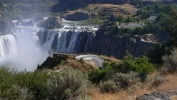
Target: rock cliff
(77, 16)
(103, 42)
(5, 25)
(51, 22)
(110, 45)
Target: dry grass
(130, 94)
(116, 9)
(109, 59)
(168, 85)
(121, 95)
(125, 9)
(72, 62)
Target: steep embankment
(60, 61)
(104, 43)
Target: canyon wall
(101, 42)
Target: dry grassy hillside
(168, 85)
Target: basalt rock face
(107, 44)
(52, 62)
(77, 16)
(103, 42)
(51, 22)
(5, 25)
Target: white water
(62, 40)
(7, 45)
(21, 49)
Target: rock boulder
(153, 96)
(3, 25)
(77, 16)
(51, 22)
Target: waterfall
(7, 45)
(21, 50)
(69, 41)
(27, 46)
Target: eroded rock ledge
(77, 16)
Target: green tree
(1, 5)
(172, 27)
(161, 19)
(136, 3)
(121, 19)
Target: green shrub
(34, 81)
(126, 80)
(69, 84)
(18, 93)
(1, 5)
(140, 65)
(81, 60)
(97, 75)
(120, 81)
(108, 86)
(6, 80)
(158, 80)
(170, 61)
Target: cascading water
(61, 40)
(27, 46)
(7, 45)
(21, 49)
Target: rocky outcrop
(77, 16)
(3, 25)
(30, 23)
(104, 43)
(51, 22)
(51, 62)
(156, 96)
(38, 19)
(112, 18)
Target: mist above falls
(23, 51)
(26, 47)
